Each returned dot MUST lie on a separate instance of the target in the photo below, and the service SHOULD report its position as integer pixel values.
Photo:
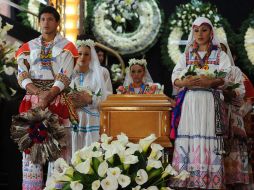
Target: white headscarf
(228, 52)
(147, 77)
(198, 22)
(97, 76)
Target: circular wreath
(35, 6)
(39, 134)
(179, 26)
(127, 31)
(245, 47)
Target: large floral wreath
(128, 26)
(180, 24)
(39, 134)
(246, 47)
(7, 62)
(33, 6)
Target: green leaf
(66, 186)
(154, 173)
(96, 162)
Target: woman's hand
(81, 99)
(205, 82)
(188, 82)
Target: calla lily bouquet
(113, 165)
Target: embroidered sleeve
(22, 56)
(62, 78)
(24, 79)
(180, 66)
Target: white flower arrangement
(193, 71)
(182, 20)
(134, 61)
(87, 42)
(110, 30)
(249, 44)
(33, 6)
(117, 164)
(7, 57)
(116, 72)
(187, 13)
(87, 89)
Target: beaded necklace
(46, 54)
(202, 63)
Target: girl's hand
(81, 99)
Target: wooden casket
(137, 116)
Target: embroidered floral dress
(196, 143)
(151, 88)
(45, 65)
(236, 162)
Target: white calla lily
(123, 139)
(96, 185)
(141, 177)
(95, 145)
(62, 177)
(102, 169)
(84, 167)
(50, 183)
(59, 165)
(146, 142)
(124, 180)
(169, 170)
(75, 160)
(130, 159)
(105, 138)
(75, 185)
(152, 163)
(109, 183)
(183, 175)
(135, 147)
(152, 188)
(114, 172)
(156, 151)
(8, 70)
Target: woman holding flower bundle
(90, 89)
(198, 144)
(138, 80)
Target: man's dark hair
(51, 10)
(98, 49)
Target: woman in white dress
(92, 88)
(197, 147)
